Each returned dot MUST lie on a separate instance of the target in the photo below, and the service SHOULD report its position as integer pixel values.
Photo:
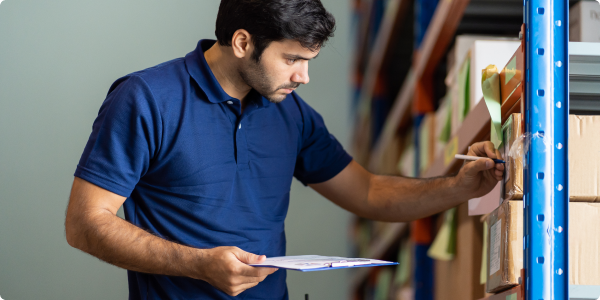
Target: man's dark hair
(305, 21)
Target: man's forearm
(418, 197)
(125, 245)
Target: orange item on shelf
(421, 231)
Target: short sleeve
(125, 137)
(321, 156)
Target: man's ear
(241, 43)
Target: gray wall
(57, 60)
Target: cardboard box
(584, 158)
(505, 246)
(458, 58)
(484, 53)
(511, 78)
(458, 279)
(505, 251)
(513, 175)
(584, 22)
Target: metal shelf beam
(546, 184)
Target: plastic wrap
(515, 147)
(512, 151)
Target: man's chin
(276, 98)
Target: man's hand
(479, 177)
(226, 268)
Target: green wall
(57, 60)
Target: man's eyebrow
(296, 56)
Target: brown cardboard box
(513, 176)
(584, 21)
(505, 251)
(584, 158)
(458, 279)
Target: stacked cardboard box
(505, 224)
(584, 165)
(584, 22)
(505, 251)
(469, 55)
(513, 176)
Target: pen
(467, 157)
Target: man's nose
(302, 75)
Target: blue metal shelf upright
(546, 182)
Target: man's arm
(93, 227)
(400, 199)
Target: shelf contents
(584, 21)
(505, 252)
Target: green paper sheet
(490, 84)
(403, 268)
(447, 130)
(464, 95)
(444, 245)
(483, 272)
(382, 287)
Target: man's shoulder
(160, 81)
(164, 74)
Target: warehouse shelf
(553, 80)
(381, 48)
(576, 292)
(437, 38)
(584, 292)
(584, 77)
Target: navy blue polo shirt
(198, 171)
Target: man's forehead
(292, 47)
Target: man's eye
(291, 61)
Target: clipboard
(310, 263)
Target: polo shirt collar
(201, 73)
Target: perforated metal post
(546, 178)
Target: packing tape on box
(519, 148)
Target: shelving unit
(567, 83)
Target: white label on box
(495, 237)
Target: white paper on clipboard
(319, 263)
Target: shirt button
(240, 127)
(229, 102)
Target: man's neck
(222, 63)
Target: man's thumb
(479, 165)
(249, 258)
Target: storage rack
(545, 86)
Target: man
(201, 152)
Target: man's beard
(255, 75)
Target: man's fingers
(477, 166)
(500, 167)
(257, 271)
(484, 149)
(248, 258)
